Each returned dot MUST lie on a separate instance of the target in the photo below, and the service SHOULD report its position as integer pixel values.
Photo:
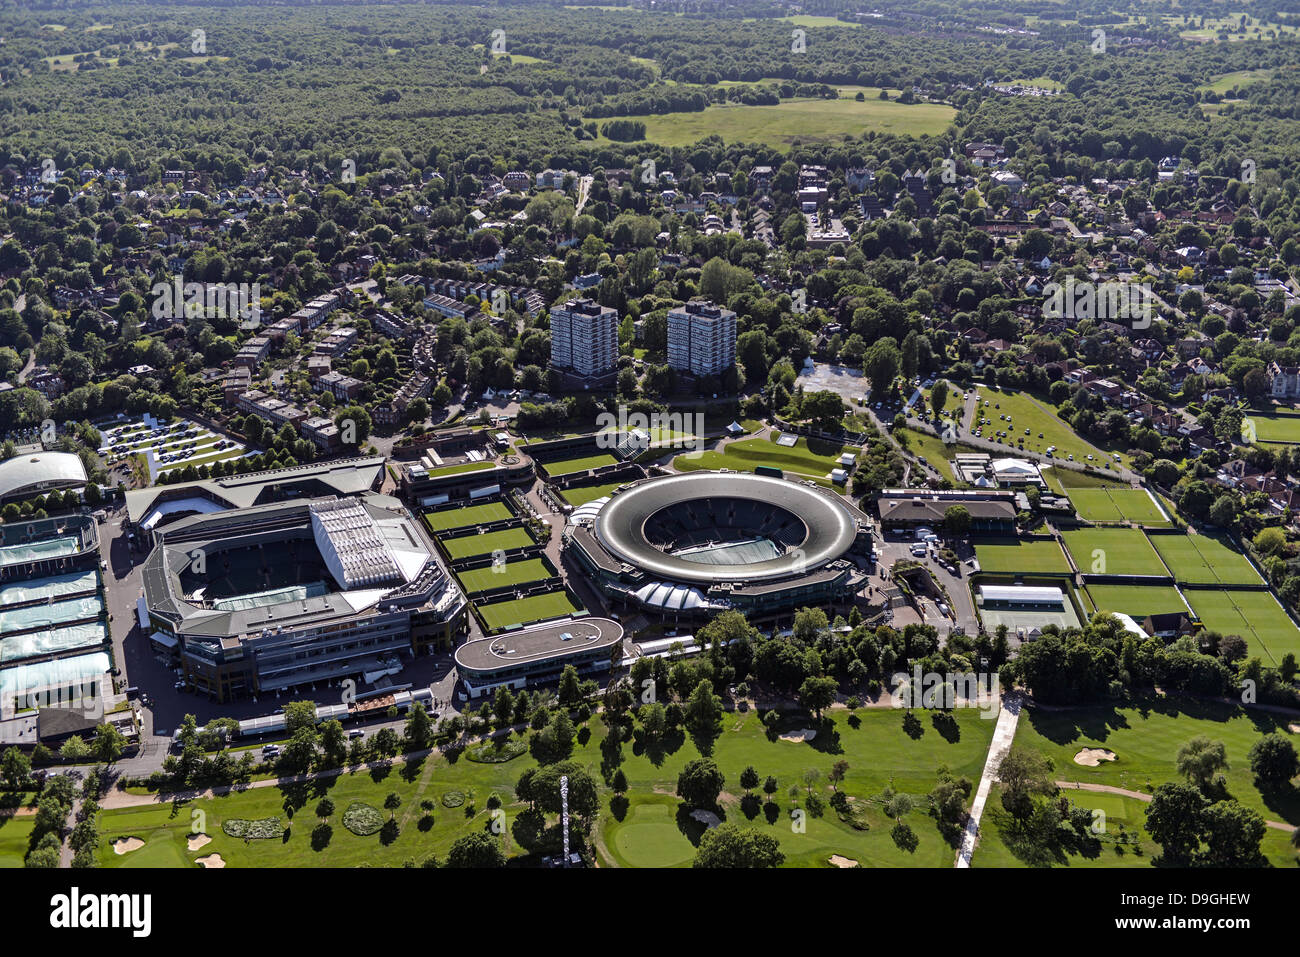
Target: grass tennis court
(467, 517)
(1113, 551)
(1281, 427)
(500, 576)
(523, 611)
(1028, 558)
(1116, 505)
(468, 546)
(582, 494)
(1136, 601)
(1255, 615)
(1201, 560)
(569, 466)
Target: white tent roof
(671, 597)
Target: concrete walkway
(1003, 735)
(1143, 796)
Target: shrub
(261, 829)
(362, 819)
(453, 799)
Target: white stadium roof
(41, 470)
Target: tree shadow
(912, 725)
(945, 722)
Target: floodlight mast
(564, 814)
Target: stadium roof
(29, 473)
(336, 477)
(554, 639)
(620, 525)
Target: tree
(419, 727)
(1024, 774)
(749, 779)
(1232, 835)
(838, 770)
(733, 846)
(956, 519)
(298, 715)
(108, 743)
(703, 718)
(817, 694)
(700, 783)
(1200, 759)
(477, 850)
(543, 790)
(1273, 760)
(15, 769)
(570, 689)
(939, 396)
(1174, 821)
(354, 424)
(391, 803)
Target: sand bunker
(124, 845)
(197, 841)
(807, 734)
(1091, 757)
(707, 818)
(212, 860)
(1294, 729)
(841, 861)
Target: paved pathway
(1143, 796)
(1003, 735)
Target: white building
(584, 338)
(701, 338)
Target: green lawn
(524, 611)
(1036, 415)
(15, 838)
(813, 461)
(1020, 557)
(569, 466)
(802, 120)
(999, 847)
(1254, 615)
(582, 494)
(878, 751)
(499, 576)
(1117, 504)
(1225, 82)
(1064, 481)
(933, 450)
(1146, 739)
(1113, 551)
(1282, 427)
(467, 517)
(1136, 601)
(462, 467)
(1202, 560)
(468, 546)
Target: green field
(15, 838)
(814, 462)
(1225, 82)
(499, 576)
(999, 847)
(1254, 615)
(462, 468)
(878, 751)
(933, 450)
(1281, 427)
(1116, 505)
(1146, 739)
(469, 546)
(569, 466)
(654, 832)
(1136, 601)
(1113, 551)
(582, 494)
(467, 517)
(1020, 557)
(1202, 560)
(523, 611)
(804, 120)
(1037, 416)
(1063, 481)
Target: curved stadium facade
(701, 542)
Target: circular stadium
(704, 527)
(708, 540)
